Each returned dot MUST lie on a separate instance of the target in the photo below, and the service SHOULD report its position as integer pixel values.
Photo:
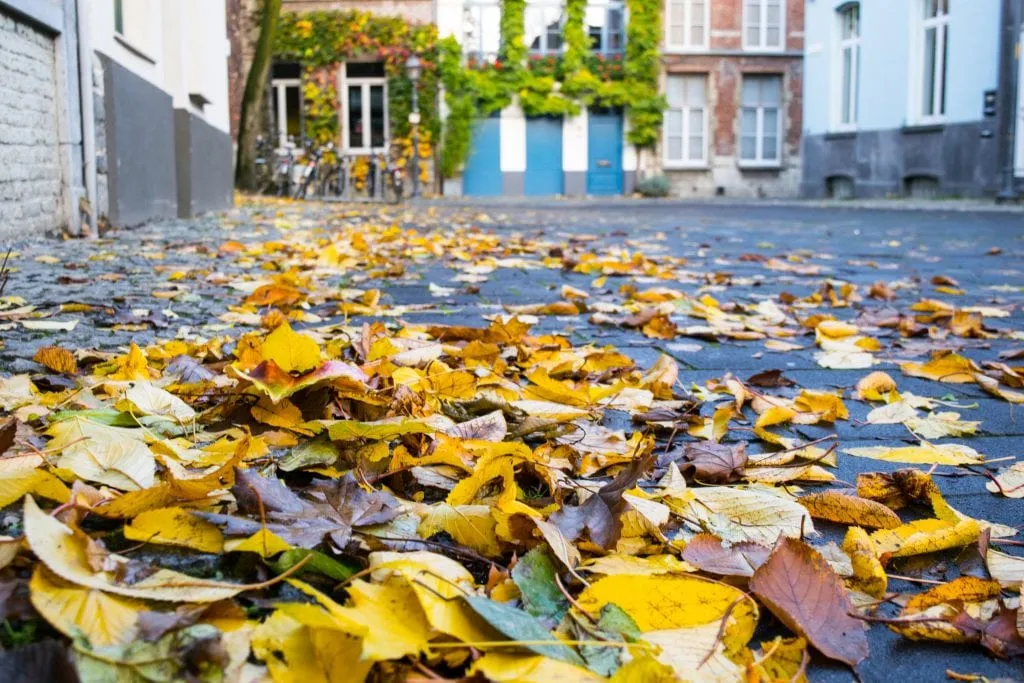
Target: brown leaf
(57, 359)
(803, 591)
(714, 463)
(489, 427)
(837, 507)
(999, 635)
(47, 660)
(600, 514)
(770, 379)
(739, 559)
(8, 428)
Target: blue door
(543, 156)
(604, 151)
(482, 174)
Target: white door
(1020, 112)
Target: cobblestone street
(187, 280)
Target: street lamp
(413, 68)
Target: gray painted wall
(140, 147)
(204, 165)
(962, 157)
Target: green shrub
(655, 186)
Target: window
(119, 16)
(286, 91)
(365, 107)
(606, 26)
(764, 25)
(687, 24)
(686, 121)
(934, 29)
(761, 121)
(849, 66)
(543, 30)
(481, 32)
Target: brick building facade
(733, 78)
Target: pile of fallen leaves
(315, 500)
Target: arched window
(848, 60)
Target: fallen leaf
(802, 591)
(836, 507)
(925, 454)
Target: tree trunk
(255, 85)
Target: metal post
(415, 142)
(1009, 66)
(88, 115)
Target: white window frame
(687, 45)
(851, 89)
(542, 5)
(279, 87)
(759, 161)
(919, 26)
(365, 82)
(762, 23)
(139, 25)
(685, 163)
(475, 7)
(607, 6)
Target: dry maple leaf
(600, 515)
(714, 463)
(803, 591)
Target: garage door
(30, 181)
(482, 174)
(544, 175)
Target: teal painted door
(543, 156)
(604, 152)
(482, 174)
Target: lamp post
(413, 67)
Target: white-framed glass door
(287, 109)
(364, 108)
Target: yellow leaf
(488, 468)
(19, 475)
(391, 614)
(830, 407)
(438, 582)
(292, 351)
(295, 653)
(177, 527)
(470, 525)
(629, 564)
(550, 410)
(133, 366)
(775, 415)
(1006, 569)
(843, 509)
(943, 367)
(514, 668)
(868, 573)
(657, 603)
(64, 553)
(925, 536)
(143, 398)
(644, 669)
(115, 456)
(782, 659)
(264, 543)
(696, 654)
(736, 514)
(925, 454)
(875, 386)
(941, 425)
(104, 619)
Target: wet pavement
(179, 279)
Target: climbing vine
(544, 85)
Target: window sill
(762, 49)
(675, 50)
(684, 166)
(841, 134)
(924, 127)
(759, 165)
(135, 50)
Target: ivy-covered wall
(544, 85)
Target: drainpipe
(1009, 66)
(85, 90)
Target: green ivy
(544, 86)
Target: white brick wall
(30, 169)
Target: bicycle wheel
(392, 189)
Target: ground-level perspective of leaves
(576, 442)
